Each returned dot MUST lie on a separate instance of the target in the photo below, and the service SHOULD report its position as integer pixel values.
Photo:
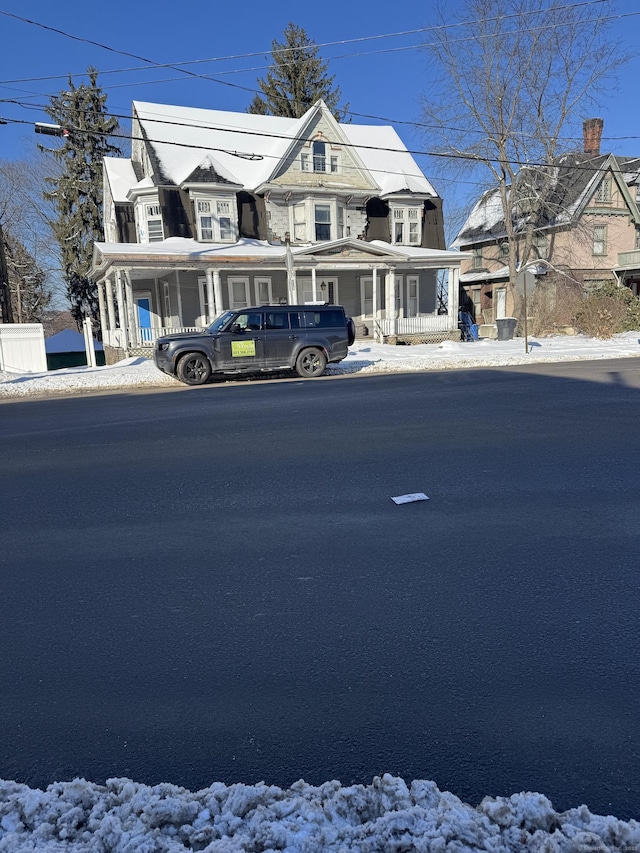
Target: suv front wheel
(194, 368)
(311, 363)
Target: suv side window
(249, 321)
(321, 319)
(277, 320)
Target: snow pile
(127, 817)
(363, 357)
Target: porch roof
(176, 251)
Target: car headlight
(163, 347)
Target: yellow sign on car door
(242, 349)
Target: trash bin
(506, 328)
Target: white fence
(22, 348)
(415, 325)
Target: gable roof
(246, 149)
(575, 177)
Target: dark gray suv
(304, 338)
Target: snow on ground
(388, 816)
(124, 816)
(362, 358)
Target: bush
(608, 310)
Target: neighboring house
(588, 232)
(219, 210)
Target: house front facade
(588, 235)
(218, 210)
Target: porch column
(453, 297)
(110, 306)
(131, 316)
(179, 292)
(314, 285)
(374, 301)
(390, 295)
(102, 307)
(122, 314)
(211, 306)
(217, 291)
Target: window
(541, 245)
(334, 164)
(153, 216)
(412, 295)
(600, 240)
(304, 162)
(603, 192)
(238, 293)
(504, 249)
(249, 322)
(224, 220)
(340, 233)
(277, 320)
(323, 222)
(264, 295)
(319, 157)
(215, 221)
(477, 259)
(407, 225)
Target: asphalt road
(214, 584)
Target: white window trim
(308, 225)
(213, 201)
(413, 279)
(143, 217)
(400, 213)
(256, 284)
(234, 306)
(603, 241)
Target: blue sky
(381, 75)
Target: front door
(144, 318)
(241, 347)
(326, 290)
(501, 303)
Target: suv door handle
(293, 337)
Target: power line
(310, 46)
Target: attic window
(603, 192)
(319, 156)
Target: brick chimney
(592, 132)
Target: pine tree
(297, 79)
(77, 191)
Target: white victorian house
(218, 210)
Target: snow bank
(126, 817)
(362, 358)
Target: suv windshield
(219, 322)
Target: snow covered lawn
(362, 358)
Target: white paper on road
(407, 499)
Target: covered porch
(389, 294)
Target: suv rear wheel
(311, 363)
(194, 368)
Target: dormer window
(215, 221)
(320, 159)
(153, 216)
(406, 228)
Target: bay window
(215, 220)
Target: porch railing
(629, 259)
(415, 325)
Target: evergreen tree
(29, 293)
(297, 79)
(77, 190)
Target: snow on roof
(121, 177)
(486, 215)
(183, 137)
(187, 248)
(386, 156)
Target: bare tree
(512, 79)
